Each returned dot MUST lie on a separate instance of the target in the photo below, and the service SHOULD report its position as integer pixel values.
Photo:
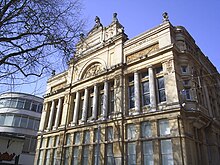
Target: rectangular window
(148, 153)
(56, 141)
(75, 155)
(68, 139)
(184, 69)
(111, 98)
(20, 103)
(8, 120)
(96, 154)
(30, 123)
(131, 131)
(47, 160)
(89, 113)
(109, 134)
(161, 89)
(109, 154)
(95, 135)
(76, 138)
(101, 98)
(164, 127)
(23, 122)
(145, 93)
(54, 157)
(27, 105)
(66, 156)
(16, 121)
(36, 124)
(131, 153)
(40, 158)
(131, 96)
(2, 119)
(187, 94)
(86, 139)
(166, 152)
(146, 129)
(85, 155)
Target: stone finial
(53, 73)
(114, 19)
(97, 22)
(165, 17)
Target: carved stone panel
(94, 69)
(141, 53)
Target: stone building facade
(152, 99)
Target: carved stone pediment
(93, 70)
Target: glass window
(16, 121)
(7, 102)
(54, 157)
(2, 103)
(20, 103)
(101, 98)
(33, 144)
(148, 153)
(27, 142)
(131, 79)
(145, 93)
(96, 134)
(2, 119)
(27, 105)
(146, 129)
(164, 127)
(161, 89)
(36, 124)
(184, 69)
(75, 155)
(144, 74)
(23, 122)
(110, 136)
(166, 152)
(109, 154)
(56, 143)
(86, 137)
(39, 108)
(13, 102)
(77, 138)
(131, 96)
(30, 123)
(85, 155)
(68, 139)
(159, 69)
(47, 160)
(49, 142)
(34, 107)
(8, 120)
(66, 156)
(40, 158)
(96, 155)
(131, 131)
(131, 153)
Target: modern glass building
(19, 122)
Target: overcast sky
(199, 17)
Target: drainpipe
(181, 144)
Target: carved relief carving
(141, 53)
(95, 69)
(169, 66)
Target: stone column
(43, 117)
(76, 109)
(52, 109)
(105, 101)
(85, 105)
(59, 106)
(152, 89)
(95, 102)
(137, 104)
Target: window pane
(66, 156)
(167, 153)
(13, 103)
(54, 157)
(131, 131)
(131, 153)
(23, 122)
(68, 139)
(85, 155)
(36, 124)
(27, 105)
(148, 153)
(86, 137)
(146, 129)
(8, 120)
(20, 103)
(109, 133)
(164, 127)
(2, 119)
(131, 96)
(40, 157)
(77, 138)
(75, 155)
(34, 107)
(30, 123)
(2, 103)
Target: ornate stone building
(152, 99)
